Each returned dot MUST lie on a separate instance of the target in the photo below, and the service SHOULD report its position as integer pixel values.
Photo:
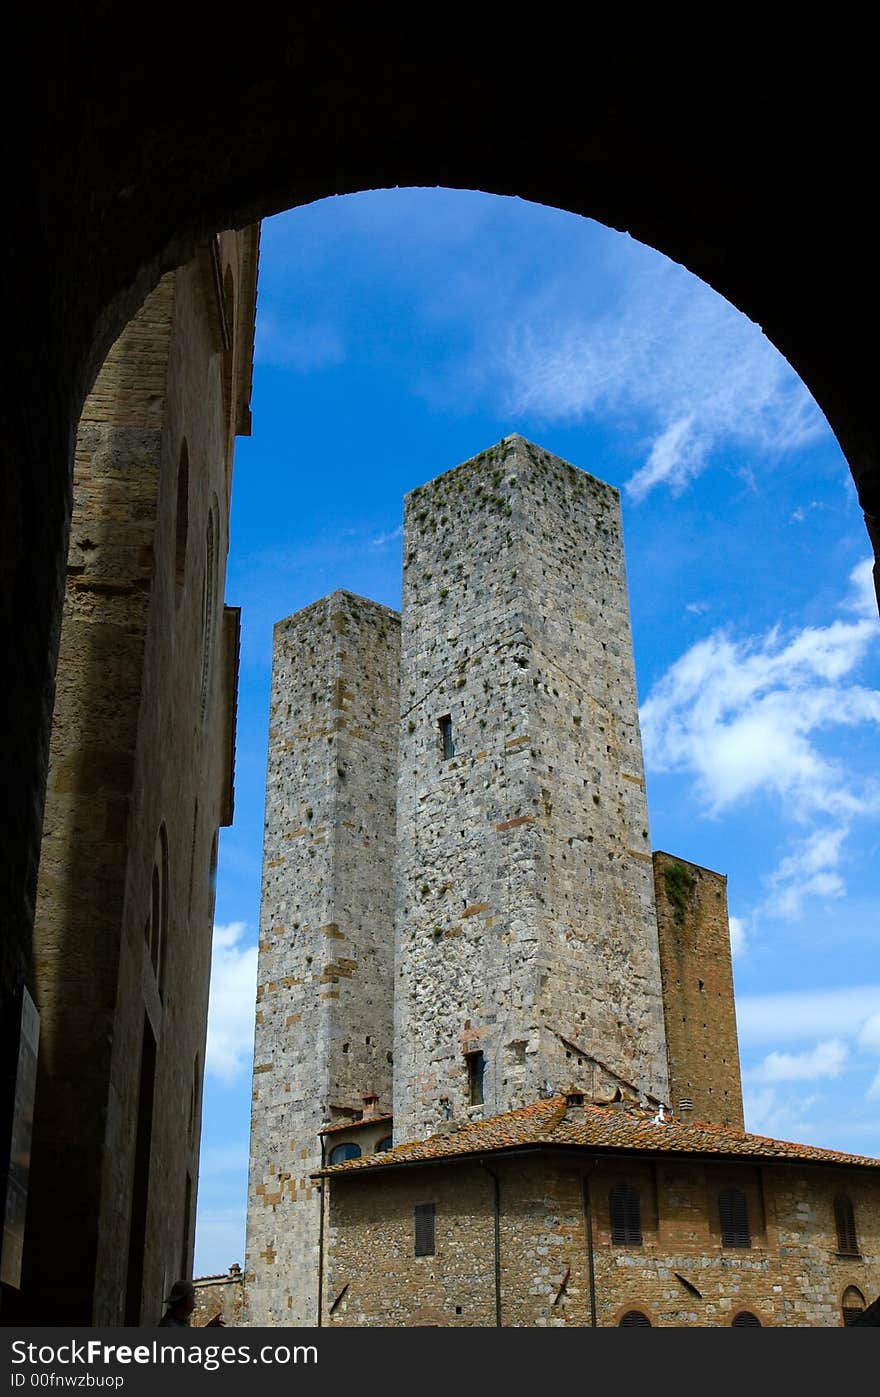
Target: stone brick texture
(791, 1275)
(324, 1014)
(698, 1002)
(525, 920)
(140, 744)
(221, 1295)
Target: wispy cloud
(809, 871)
(805, 1015)
(738, 936)
(781, 1116)
(230, 1044)
(827, 1059)
(667, 347)
(295, 343)
(392, 536)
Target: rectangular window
(476, 1065)
(424, 1220)
(446, 740)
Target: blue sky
(401, 332)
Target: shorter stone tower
(698, 1003)
(324, 991)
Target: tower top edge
(519, 448)
(341, 595)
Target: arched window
(734, 1213)
(634, 1319)
(626, 1216)
(746, 1320)
(340, 1153)
(853, 1304)
(157, 923)
(181, 524)
(385, 1144)
(845, 1222)
(209, 605)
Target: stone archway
(739, 150)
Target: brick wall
(698, 1002)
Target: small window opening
(626, 1216)
(424, 1229)
(341, 1153)
(746, 1320)
(634, 1319)
(853, 1305)
(734, 1214)
(385, 1144)
(844, 1218)
(446, 739)
(476, 1065)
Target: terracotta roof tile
(352, 1125)
(596, 1127)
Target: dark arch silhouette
(739, 143)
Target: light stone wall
(324, 997)
(698, 990)
(525, 924)
(791, 1275)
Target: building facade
(573, 1213)
(140, 780)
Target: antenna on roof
(659, 1119)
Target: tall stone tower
(526, 956)
(324, 1014)
(698, 991)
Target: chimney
(574, 1105)
(371, 1107)
(686, 1110)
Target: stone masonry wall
(140, 780)
(525, 923)
(701, 1037)
(324, 1015)
(791, 1275)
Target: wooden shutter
(746, 1320)
(844, 1217)
(424, 1221)
(626, 1216)
(734, 1213)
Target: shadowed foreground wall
(140, 779)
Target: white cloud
(670, 348)
(381, 539)
(825, 1060)
(804, 1015)
(745, 716)
(738, 936)
(869, 1034)
(807, 872)
(783, 1117)
(231, 1005)
(873, 1092)
(864, 596)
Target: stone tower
(698, 991)
(526, 956)
(324, 1015)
